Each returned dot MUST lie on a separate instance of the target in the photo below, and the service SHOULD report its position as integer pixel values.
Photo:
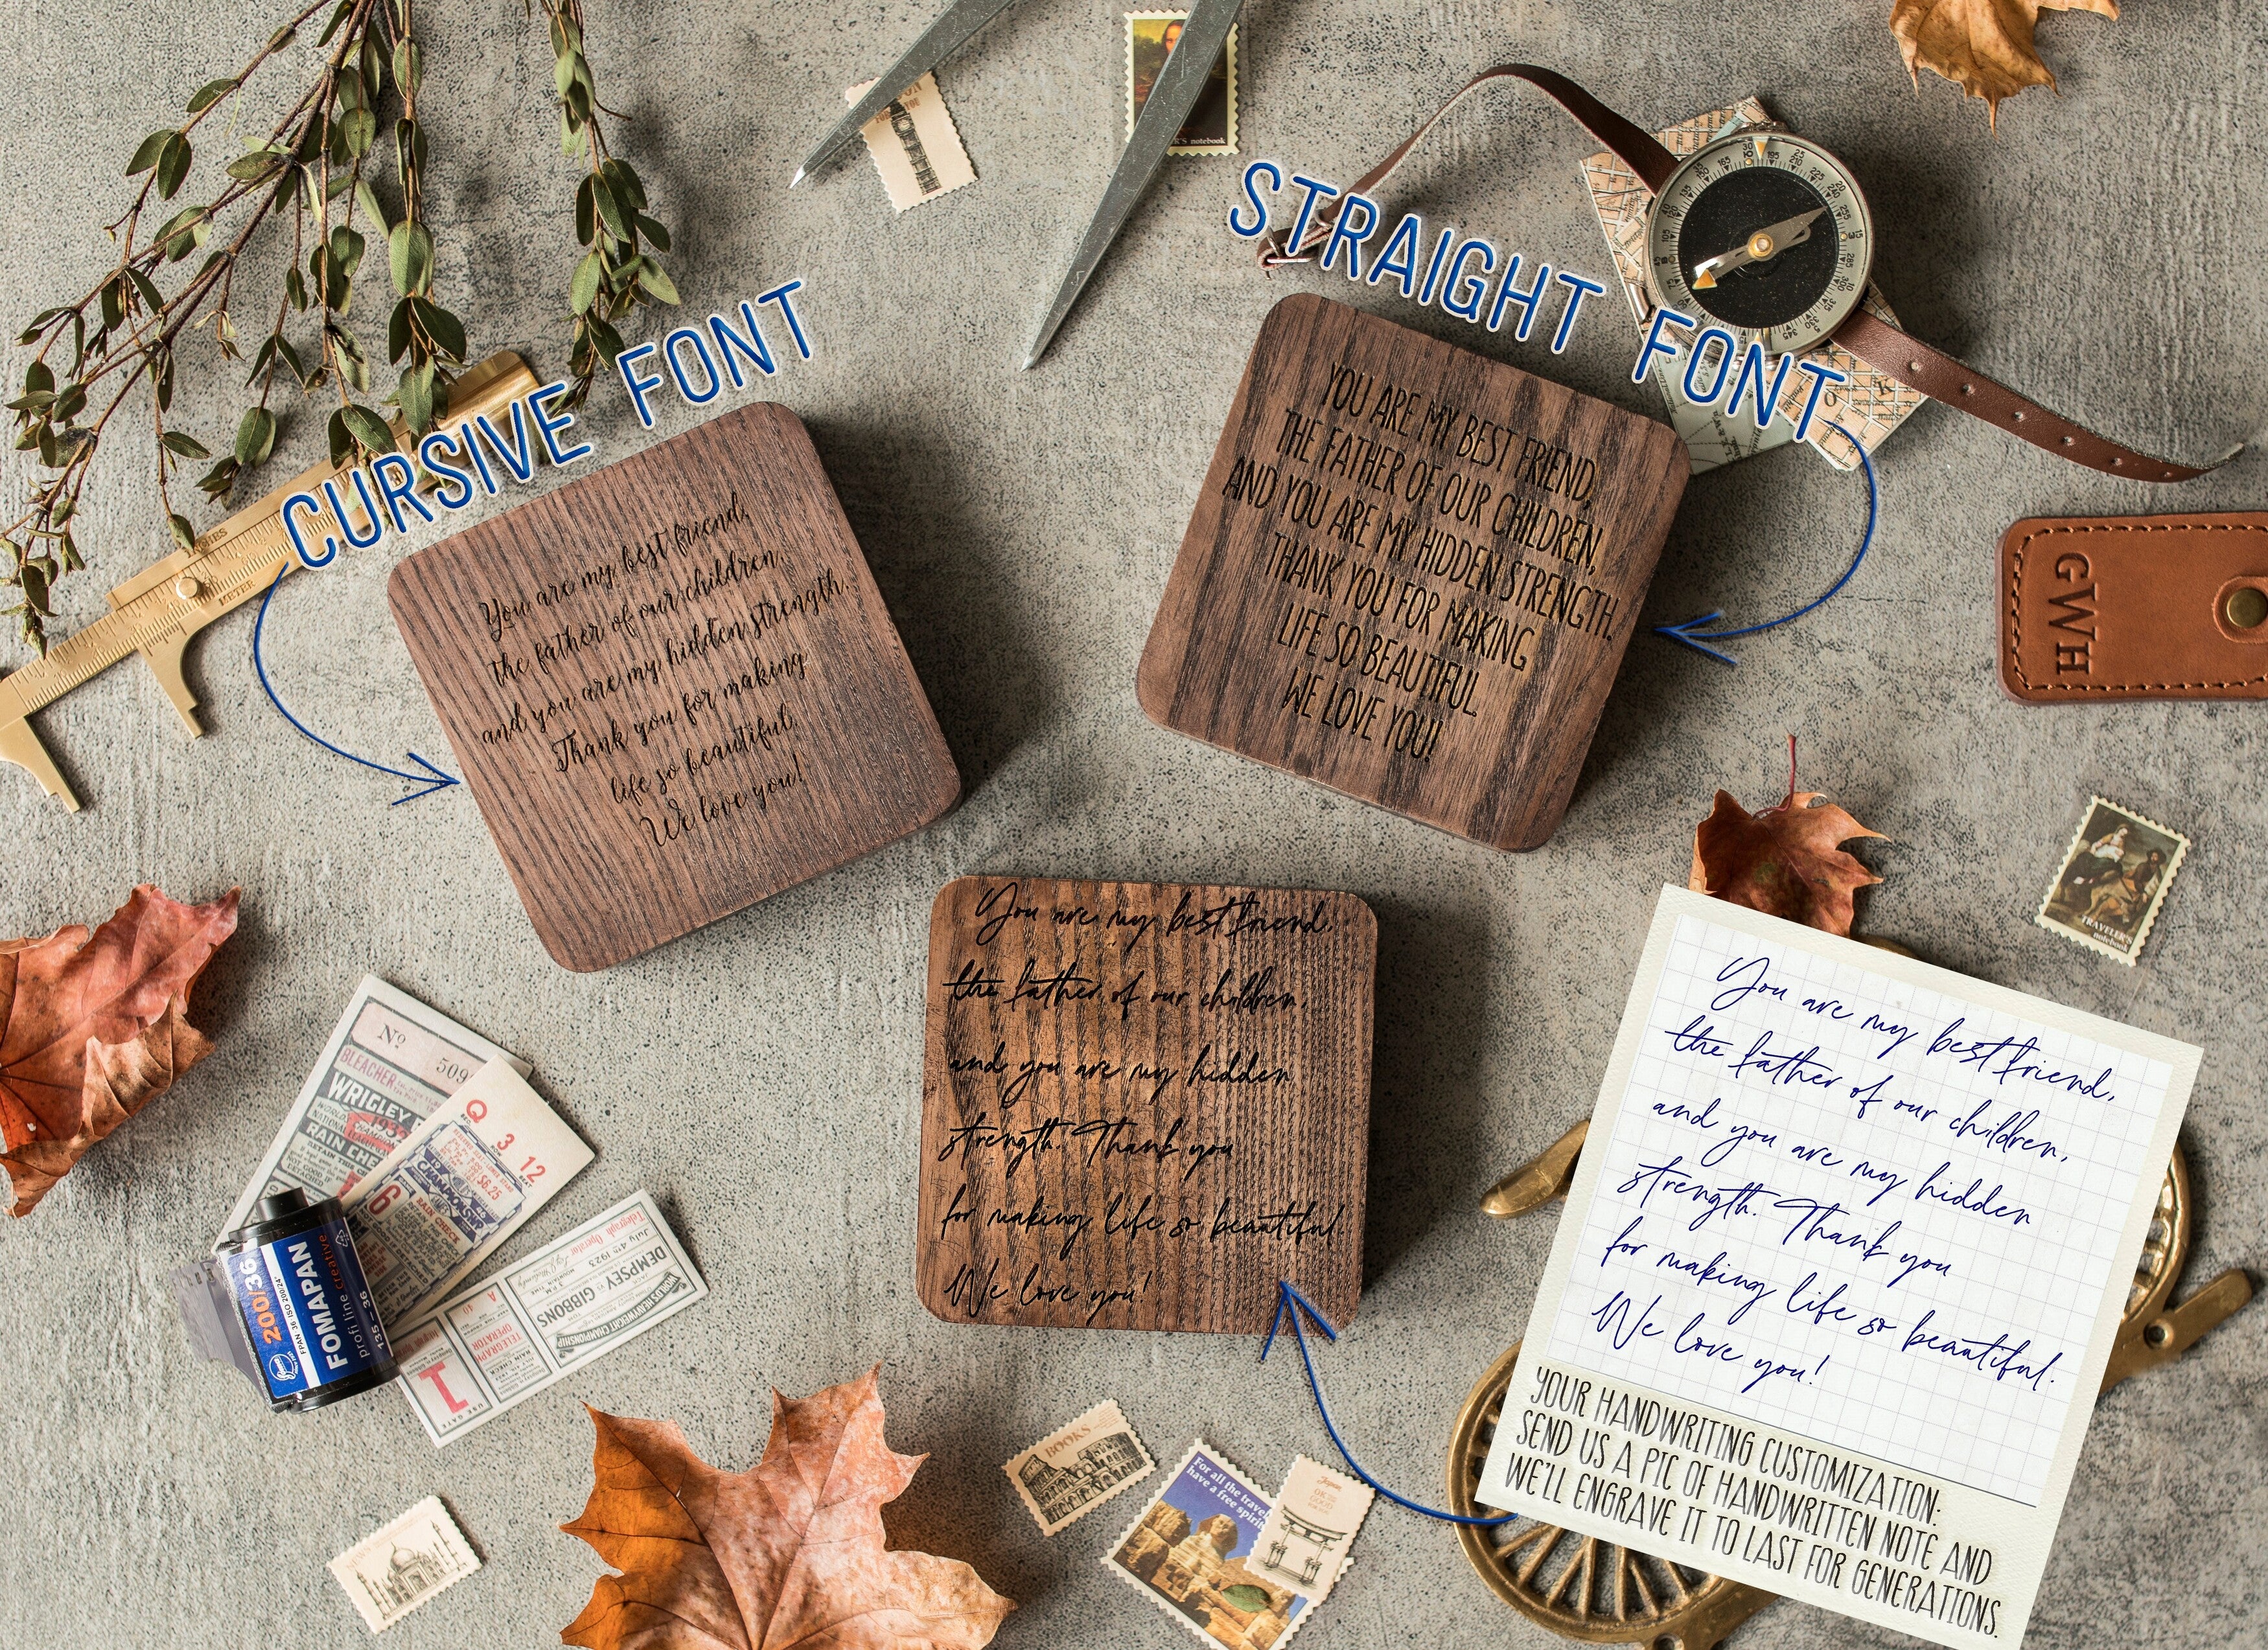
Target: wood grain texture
(1143, 1103)
(1411, 574)
(674, 687)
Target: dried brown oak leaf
(95, 1026)
(1787, 860)
(788, 1553)
(1985, 47)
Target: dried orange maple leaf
(1787, 862)
(1985, 47)
(95, 1026)
(788, 1553)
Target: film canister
(315, 1330)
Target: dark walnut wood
(1143, 1104)
(674, 687)
(1411, 574)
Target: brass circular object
(2246, 607)
(1760, 245)
(1596, 1592)
(187, 587)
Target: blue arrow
(1690, 633)
(1289, 1303)
(431, 781)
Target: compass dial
(1766, 234)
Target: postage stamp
(916, 146)
(1211, 128)
(1070, 1473)
(1187, 1554)
(392, 1572)
(2113, 880)
(1304, 1543)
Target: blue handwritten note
(1846, 1249)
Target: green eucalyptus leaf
(37, 377)
(586, 211)
(188, 446)
(624, 182)
(609, 210)
(415, 396)
(409, 67)
(217, 482)
(148, 291)
(173, 165)
(341, 438)
(653, 232)
(411, 254)
(184, 535)
(373, 65)
(368, 427)
(151, 147)
(71, 402)
(162, 369)
(34, 583)
(652, 278)
(445, 329)
(255, 436)
(585, 286)
(291, 359)
(282, 37)
(295, 289)
(357, 129)
(345, 10)
(348, 88)
(209, 93)
(409, 146)
(255, 166)
(562, 72)
(347, 247)
(579, 101)
(398, 331)
(367, 200)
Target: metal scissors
(1179, 85)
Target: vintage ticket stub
(390, 1063)
(392, 1572)
(1070, 1473)
(1310, 1530)
(468, 1178)
(484, 1349)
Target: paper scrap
(573, 1301)
(916, 146)
(469, 1177)
(1311, 1527)
(390, 1061)
(1187, 1553)
(392, 1572)
(1846, 1248)
(1076, 1468)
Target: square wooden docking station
(1412, 573)
(1144, 1104)
(674, 687)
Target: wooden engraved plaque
(674, 687)
(1143, 1104)
(1411, 574)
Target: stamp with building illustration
(1304, 1543)
(1070, 1473)
(1188, 1553)
(2112, 881)
(391, 1572)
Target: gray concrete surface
(2108, 249)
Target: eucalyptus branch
(91, 355)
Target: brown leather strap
(1875, 342)
(1939, 377)
(1638, 150)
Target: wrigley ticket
(390, 1063)
(468, 1178)
(483, 1350)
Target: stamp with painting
(1187, 1553)
(1211, 128)
(2113, 881)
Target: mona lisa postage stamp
(2114, 876)
(1188, 1553)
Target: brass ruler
(156, 613)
